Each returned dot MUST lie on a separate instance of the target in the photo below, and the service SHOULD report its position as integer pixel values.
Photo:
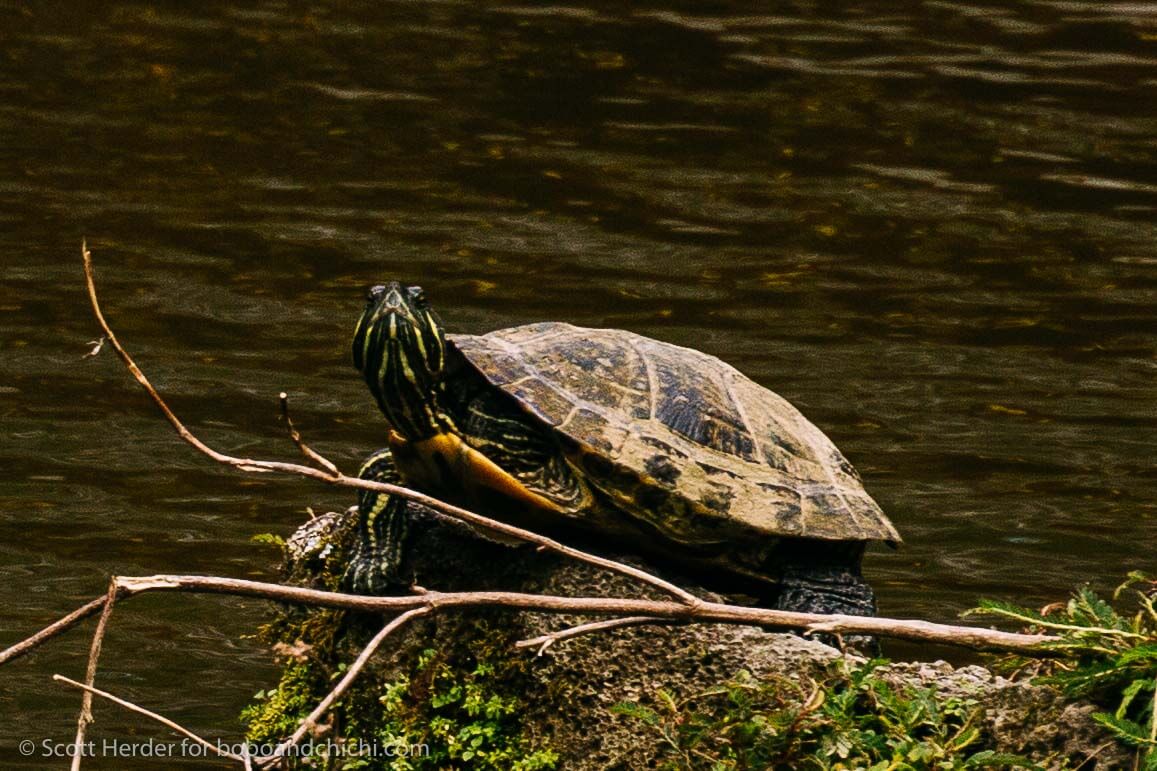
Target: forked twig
(306, 725)
(263, 466)
(88, 689)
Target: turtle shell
(678, 438)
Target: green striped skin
(403, 390)
(400, 348)
(378, 552)
(453, 436)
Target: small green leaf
(1126, 730)
(1127, 696)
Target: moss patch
(458, 705)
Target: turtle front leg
(383, 524)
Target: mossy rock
(455, 682)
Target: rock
(567, 693)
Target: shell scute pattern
(693, 401)
(662, 468)
(664, 448)
(677, 437)
(538, 392)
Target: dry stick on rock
(542, 642)
(343, 685)
(149, 714)
(976, 638)
(334, 477)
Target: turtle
(641, 446)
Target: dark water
(929, 225)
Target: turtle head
(400, 349)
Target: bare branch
(706, 612)
(261, 466)
(657, 610)
(343, 685)
(88, 689)
(52, 630)
(135, 371)
(85, 717)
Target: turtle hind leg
(825, 589)
(375, 566)
(819, 577)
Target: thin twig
(85, 716)
(263, 466)
(343, 685)
(136, 372)
(295, 435)
(542, 642)
(1093, 755)
(88, 689)
(52, 630)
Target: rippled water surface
(932, 226)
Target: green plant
(1107, 654)
(467, 716)
(853, 718)
(268, 539)
(461, 704)
(277, 712)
